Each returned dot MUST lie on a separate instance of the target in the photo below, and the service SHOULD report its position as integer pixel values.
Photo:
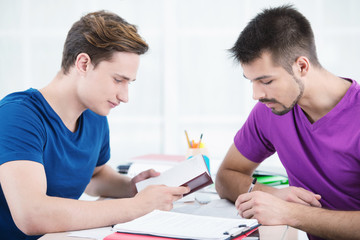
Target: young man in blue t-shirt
(54, 142)
(309, 117)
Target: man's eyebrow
(259, 78)
(124, 77)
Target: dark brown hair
(283, 31)
(100, 34)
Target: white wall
(187, 80)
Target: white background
(187, 80)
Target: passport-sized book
(192, 173)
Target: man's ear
(82, 63)
(301, 66)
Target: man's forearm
(109, 183)
(230, 184)
(328, 224)
(53, 214)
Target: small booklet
(188, 226)
(192, 173)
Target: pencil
(187, 139)
(200, 140)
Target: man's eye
(269, 82)
(117, 80)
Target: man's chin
(280, 113)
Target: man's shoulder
(21, 99)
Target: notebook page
(171, 224)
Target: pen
(252, 185)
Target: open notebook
(187, 226)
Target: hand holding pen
(252, 185)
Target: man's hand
(298, 195)
(140, 177)
(159, 197)
(266, 208)
(145, 175)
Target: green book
(271, 180)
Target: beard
(285, 109)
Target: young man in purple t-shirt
(309, 117)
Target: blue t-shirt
(31, 130)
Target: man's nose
(123, 93)
(258, 92)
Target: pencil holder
(203, 150)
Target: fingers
(145, 175)
(171, 193)
(167, 195)
(178, 192)
(243, 204)
(271, 209)
(308, 198)
(153, 173)
(299, 195)
(149, 173)
(241, 199)
(159, 197)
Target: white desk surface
(266, 233)
(223, 210)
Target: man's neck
(61, 96)
(323, 91)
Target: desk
(266, 233)
(223, 209)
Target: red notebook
(130, 236)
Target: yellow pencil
(200, 140)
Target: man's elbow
(219, 185)
(30, 223)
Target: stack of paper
(187, 226)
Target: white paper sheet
(172, 224)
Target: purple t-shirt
(323, 157)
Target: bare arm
(234, 175)
(106, 182)
(234, 178)
(328, 224)
(24, 186)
